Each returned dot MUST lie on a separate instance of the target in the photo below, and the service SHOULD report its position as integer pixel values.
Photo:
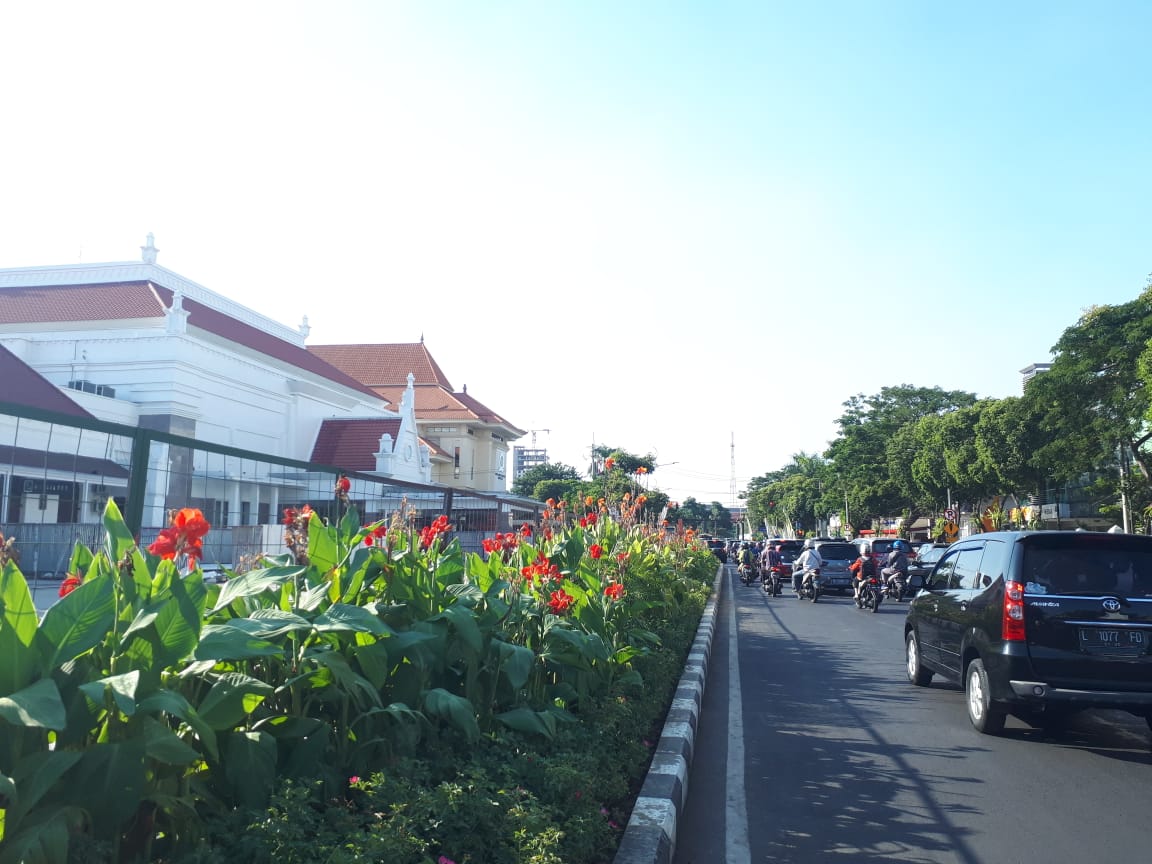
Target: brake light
(1012, 626)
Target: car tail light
(1012, 627)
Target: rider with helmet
(808, 561)
(863, 568)
(897, 564)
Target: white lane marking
(737, 850)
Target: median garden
(372, 694)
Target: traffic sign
(950, 514)
(951, 530)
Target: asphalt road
(820, 750)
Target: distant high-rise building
(524, 458)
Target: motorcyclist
(746, 559)
(808, 561)
(897, 563)
(862, 568)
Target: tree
(525, 484)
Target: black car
(719, 549)
(1039, 624)
(923, 562)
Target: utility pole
(732, 481)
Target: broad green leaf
(527, 720)
(38, 705)
(35, 776)
(42, 840)
(18, 621)
(516, 663)
(164, 745)
(232, 698)
(232, 642)
(341, 617)
(269, 623)
(314, 597)
(81, 560)
(173, 703)
(322, 550)
(255, 582)
(122, 687)
(7, 793)
(351, 682)
(249, 766)
(76, 622)
(109, 780)
(454, 710)
(464, 623)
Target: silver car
(838, 556)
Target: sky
(689, 229)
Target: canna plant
(146, 694)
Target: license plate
(1101, 640)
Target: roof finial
(305, 327)
(421, 338)
(148, 253)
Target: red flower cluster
(291, 514)
(614, 591)
(375, 534)
(608, 463)
(343, 484)
(431, 532)
(184, 536)
(595, 550)
(501, 543)
(588, 521)
(542, 569)
(70, 584)
(525, 530)
(560, 601)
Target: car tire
(986, 716)
(917, 674)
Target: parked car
(922, 563)
(838, 556)
(1040, 624)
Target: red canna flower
(183, 536)
(560, 601)
(343, 484)
(70, 584)
(526, 530)
(614, 591)
(608, 463)
(595, 550)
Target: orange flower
(608, 463)
(589, 500)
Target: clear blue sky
(657, 225)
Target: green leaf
(255, 582)
(455, 710)
(76, 623)
(314, 597)
(44, 840)
(346, 677)
(322, 549)
(464, 622)
(122, 687)
(18, 621)
(109, 780)
(516, 663)
(232, 698)
(341, 617)
(249, 766)
(269, 623)
(35, 776)
(38, 705)
(173, 703)
(164, 745)
(527, 720)
(232, 642)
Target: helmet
(809, 543)
(900, 546)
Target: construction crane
(534, 431)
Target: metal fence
(57, 473)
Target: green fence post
(137, 480)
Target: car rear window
(1087, 566)
(838, 551)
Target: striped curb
(650, 837)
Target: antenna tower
(732, 480)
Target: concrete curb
(650, 837)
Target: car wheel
(985, 716)
(917, 674)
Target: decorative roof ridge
(136, 271)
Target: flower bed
(373, 694)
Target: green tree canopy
(525, 484)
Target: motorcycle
(748, 573)
(871, 592)
(895, 587)
(773, 580)
(810, 586)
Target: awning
(921, 524)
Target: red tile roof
(382, 365)
(49, 303)
(434, 403)
(23, 385)
(126, 300)
(350, 444)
